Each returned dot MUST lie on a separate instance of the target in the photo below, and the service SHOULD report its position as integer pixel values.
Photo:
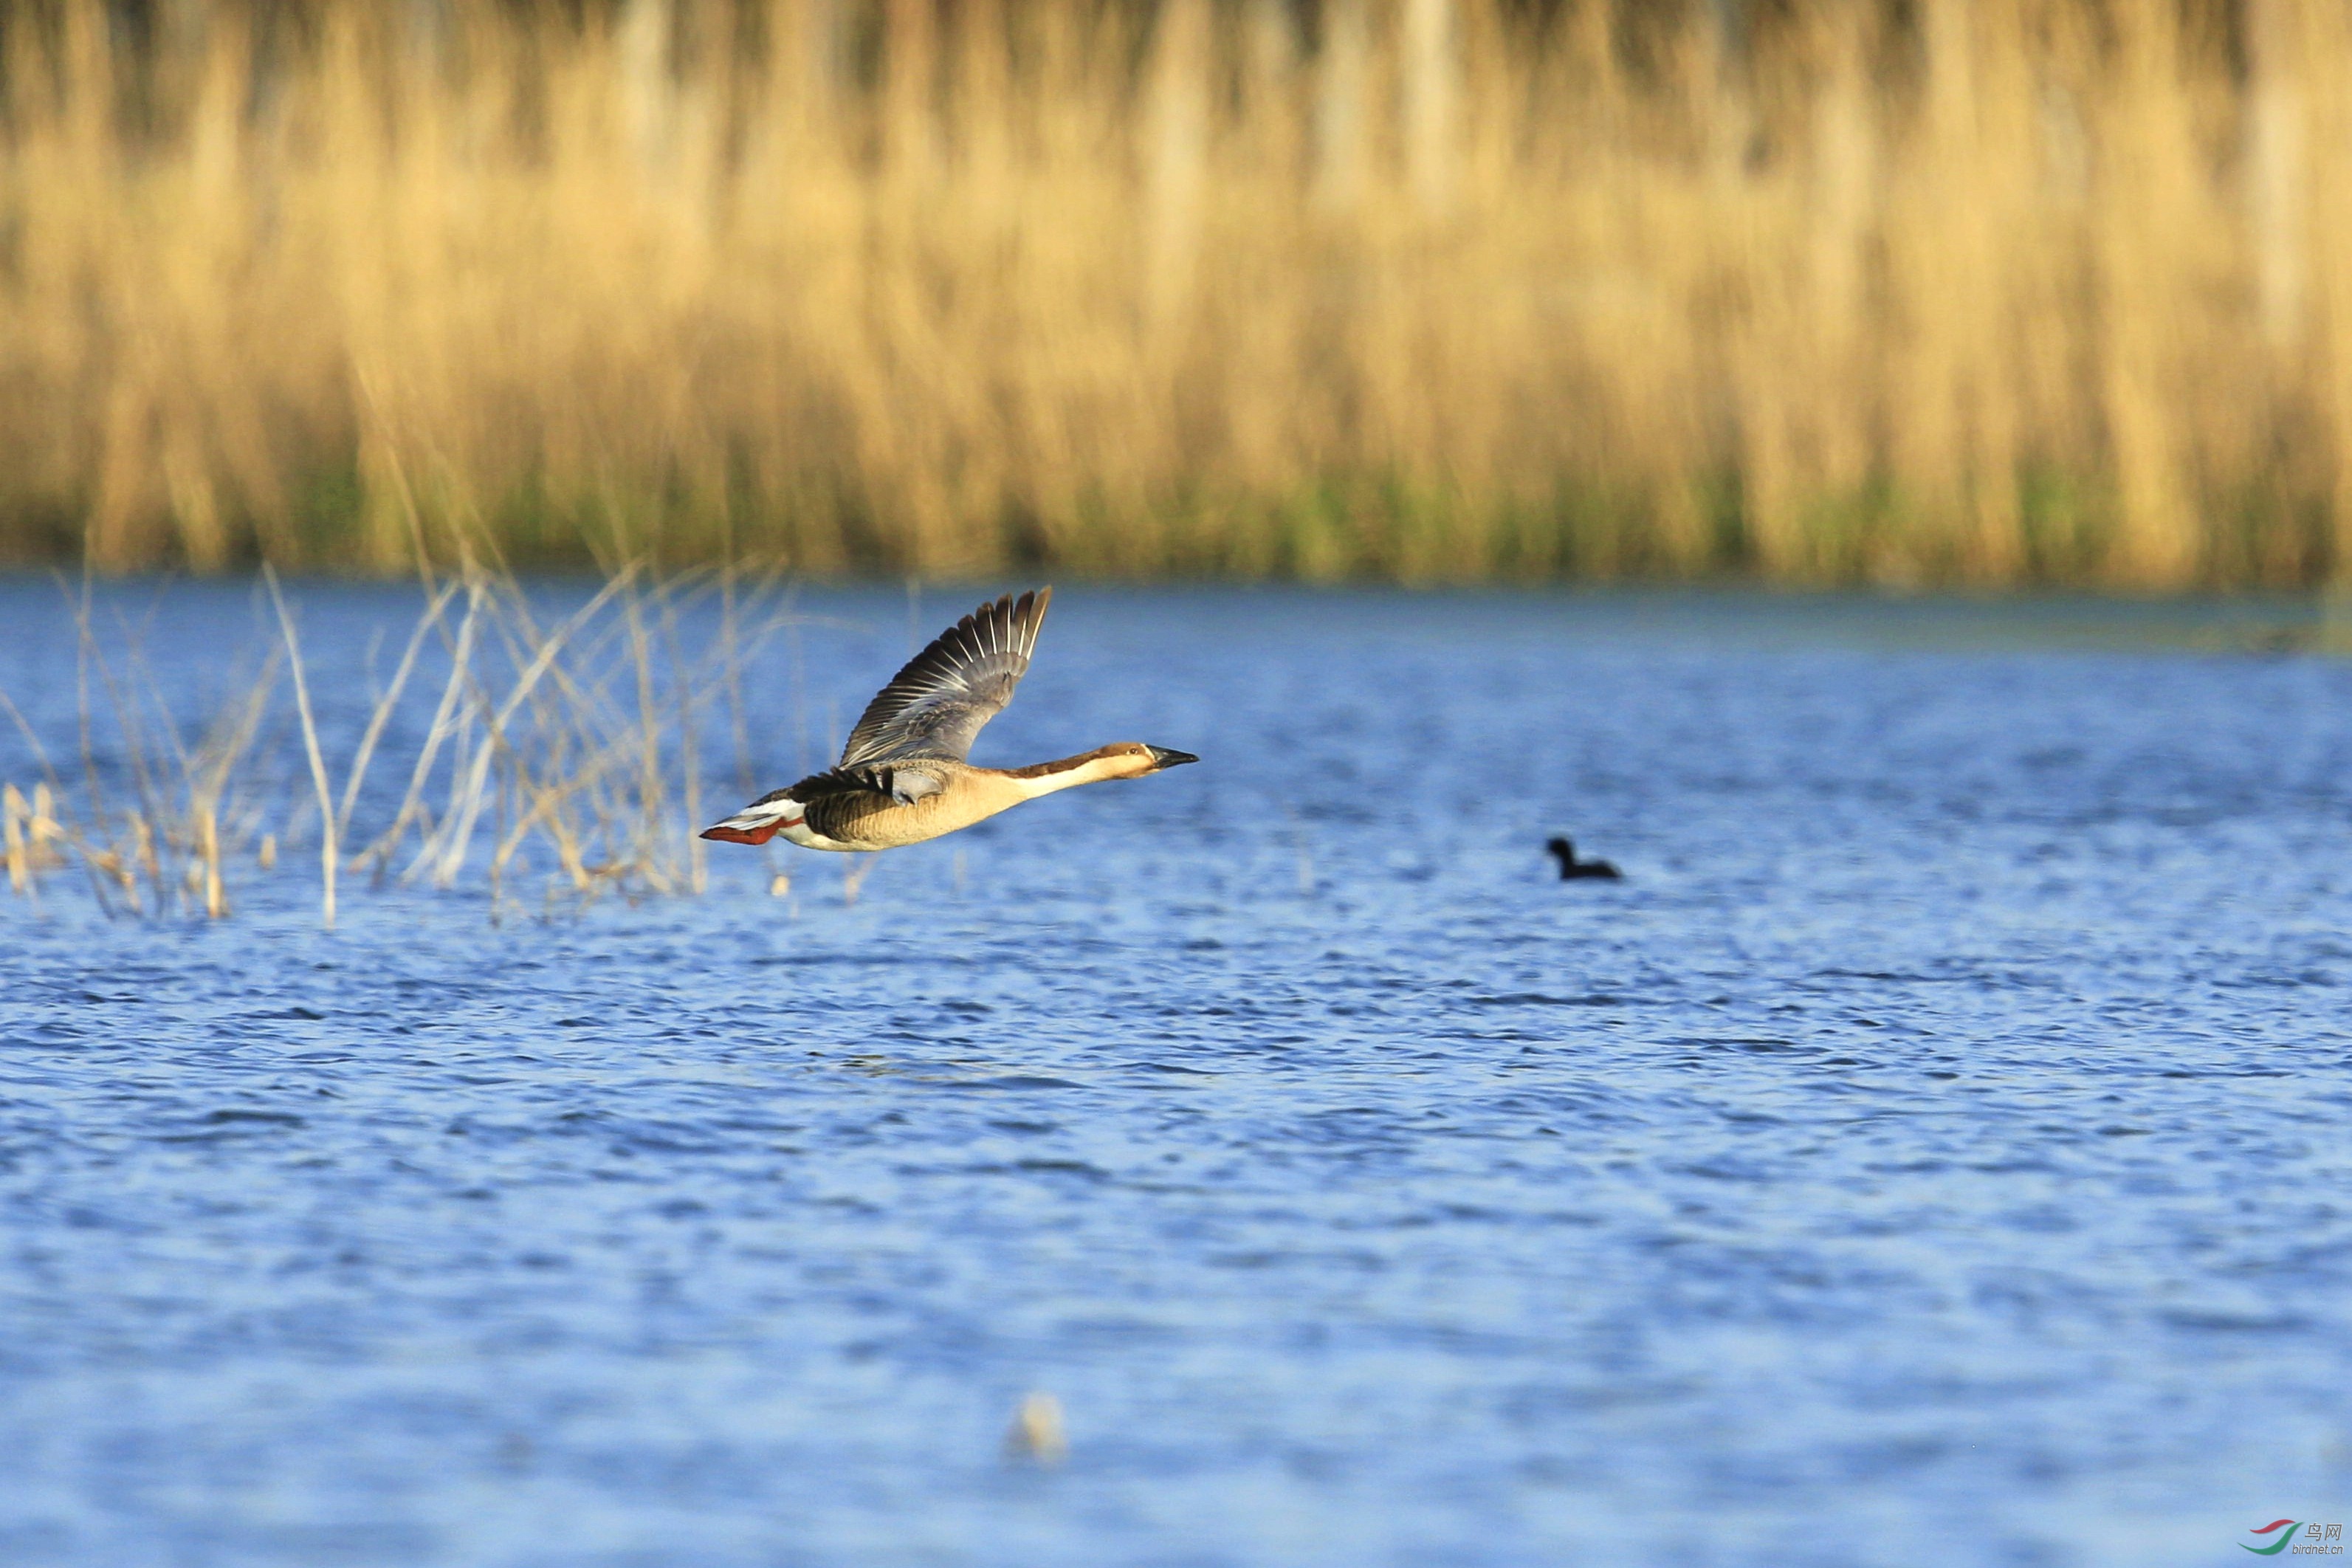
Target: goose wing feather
(903, 784)
(936, 705)
(857, 792)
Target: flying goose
(903, 778)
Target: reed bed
(542, 759)
(1980, 291)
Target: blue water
(1936, 1151)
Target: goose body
(903, 778)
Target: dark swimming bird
(1572, 870)
(903, 777)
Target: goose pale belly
(856, 821)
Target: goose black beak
(1161, 757)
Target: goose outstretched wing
(935, 706)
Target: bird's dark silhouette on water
(1572, 870)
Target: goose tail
(758, 822)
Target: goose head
(1133, 759)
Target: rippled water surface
(1936, 1151)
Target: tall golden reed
(1990, 292)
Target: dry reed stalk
(208, 775)
(20, 865)
(143, 857)
(41, 811)
(570, 742)
(444, 725)
(447, 849)
(647, 733)
(43, 833)
(328, 861)
(571, 761)
(208, 850)
(430, 621)
(690, 752)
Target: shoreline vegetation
(1992, 294)
(545, 755)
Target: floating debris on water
(1037, 1432)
